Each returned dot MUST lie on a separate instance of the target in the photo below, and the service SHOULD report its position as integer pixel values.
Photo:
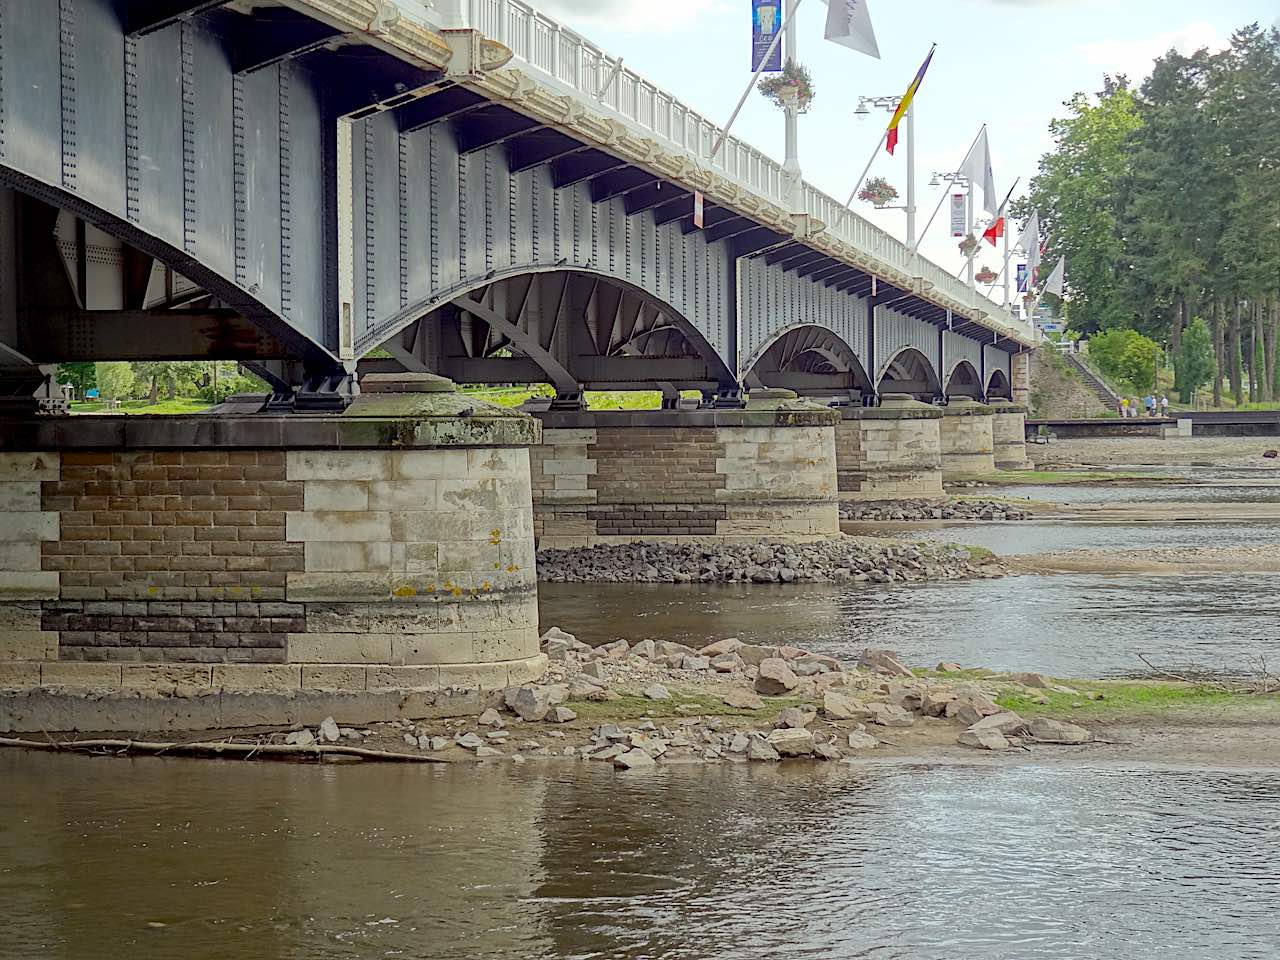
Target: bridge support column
(890, 452)
(1009, 435)
(968, 441)
(768, 470)
(200, 572)
(1020, 378)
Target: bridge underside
(247, 181)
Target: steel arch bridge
(318, 188)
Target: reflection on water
(1068, 626)
(1024, 537)
(169, 858)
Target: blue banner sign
(766, 21)
(1022, 278)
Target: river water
(993, 859)
(172, 858)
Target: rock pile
(832, 560)
(988, 510)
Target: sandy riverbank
(1155, 451)
(649, 704)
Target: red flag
(994, 232)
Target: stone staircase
(1108, 397)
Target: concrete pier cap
(968, 440)
(765, 470)
(890, 452)
(204, 572)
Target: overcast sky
(1007, 63)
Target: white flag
(849, 24)
(1030, 244)
(1057, 279)
(977, 167)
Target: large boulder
(1007, 724)
(632, 760)
(1037, 680)
(795, 718)
(1056, 731)
(890, 715)
(645, 649)
(758, 749)
(883, 661)
(754, 655)
(528, 703)
(859, 740)
(741, 699)
(775, 678)
(791, 742)
(839, 706)
(729, 645)
(983, 739)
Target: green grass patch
(1121, 698)
(178, 405)
(634, 706)
(596, 399)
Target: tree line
(1165, 200)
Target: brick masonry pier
(889, 452)
(181, 570)
(768, 470)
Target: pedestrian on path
(1164, 405)
(1124, 408)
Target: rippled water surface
(170, 858)
(1068, 626)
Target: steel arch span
(811, 360)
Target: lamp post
(791, 165)
(890, 105)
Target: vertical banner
(766, 21)
(958, 217)
(699, 209)
(1022, 278)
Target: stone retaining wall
(764, 471)
(968, 440)
(890, 452)
(161, 565)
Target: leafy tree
(1126, 356)
(1077, 193)
(115, 380)
(81, 376)
(1195, 360)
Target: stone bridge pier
(767, 470)
(211, 572)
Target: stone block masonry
(371, 562)
(890, 452)
(768, 470)
(968, 440)
(1009, 435)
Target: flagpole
(911, 174)
(848, 204)
(1005, 269)
(942, 199)
(764, 61)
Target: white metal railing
(572, 61)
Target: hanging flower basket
(969, 245)
(793, 85)
(986, 275)
(878, 191)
